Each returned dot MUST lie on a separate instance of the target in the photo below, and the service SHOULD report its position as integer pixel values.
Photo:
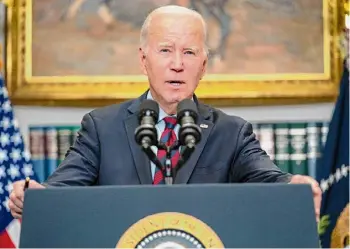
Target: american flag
(15, 165)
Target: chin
(177, 99)
(181, 95)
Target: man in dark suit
(173, 55)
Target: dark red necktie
(168, 137)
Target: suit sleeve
(81, 165)
(252, 163)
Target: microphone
(187, 114)
(146, 134)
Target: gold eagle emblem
(341, 233)
(170, 230)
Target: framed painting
(85, 52)
(2, 39)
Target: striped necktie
(168, 137)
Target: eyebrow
(166, 44)
(196, 49)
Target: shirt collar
(162, 113)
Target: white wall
(30, 115)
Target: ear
(142, 58)
(204, 69)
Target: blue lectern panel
(240, 215)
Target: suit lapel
(141, 161)
(184, 174)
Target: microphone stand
(184, 156)
(151, 156)
(169, 172)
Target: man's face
(175, 59)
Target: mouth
(175, 82)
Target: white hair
(171, 9)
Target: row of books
(48, 147)
(294, 147)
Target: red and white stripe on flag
(9, 238)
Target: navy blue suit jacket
(105, 151)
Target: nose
(177, 64)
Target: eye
(164, 50)
(189, 52)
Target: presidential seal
(169, 230)
(341, 233)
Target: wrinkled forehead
(179, 29)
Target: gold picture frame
(219, 90)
